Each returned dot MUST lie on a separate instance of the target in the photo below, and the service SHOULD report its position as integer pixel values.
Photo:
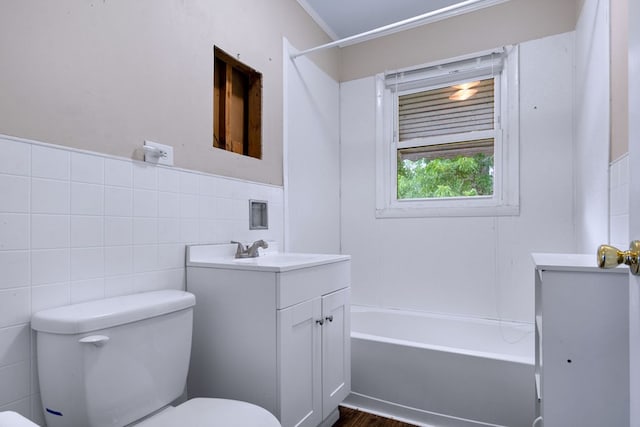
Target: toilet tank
(113, 361)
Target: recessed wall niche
(258, 215)
(237, 106)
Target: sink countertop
(222, 256)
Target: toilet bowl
(13, 419)
(209, 412)
(122, 361)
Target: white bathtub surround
(77, 225)
(448, 371)
(592, 124)
(470, 266)
(311, 130)
(619, 202)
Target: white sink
(223, 256)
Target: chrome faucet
(250, 251)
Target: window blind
(433, 112)
(448, 151)
(485, 65)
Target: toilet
(14, 419)
(122, 361)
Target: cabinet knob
(320, 322)
(329, 318)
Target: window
(447, 138)
(237, 106)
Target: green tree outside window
(461, 176)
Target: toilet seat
(13, 419)
(209, 412)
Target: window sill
(447, 211)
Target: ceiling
(344, 18)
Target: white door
(634, 206)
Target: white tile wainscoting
(619, 202)
(77, 226)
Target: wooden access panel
(237, 108)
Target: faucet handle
(240, 250)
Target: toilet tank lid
(106, 313)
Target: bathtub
(437, 370)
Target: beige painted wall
(511, 22)
(619, 79)
(104, 75)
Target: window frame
(505, 198)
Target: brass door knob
(610, 257)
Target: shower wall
(478, 266)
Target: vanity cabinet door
(299, 366)
(336, 349)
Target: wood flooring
(353, 418)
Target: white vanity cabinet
(582, 342)
(274, 331)
(314, 339)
